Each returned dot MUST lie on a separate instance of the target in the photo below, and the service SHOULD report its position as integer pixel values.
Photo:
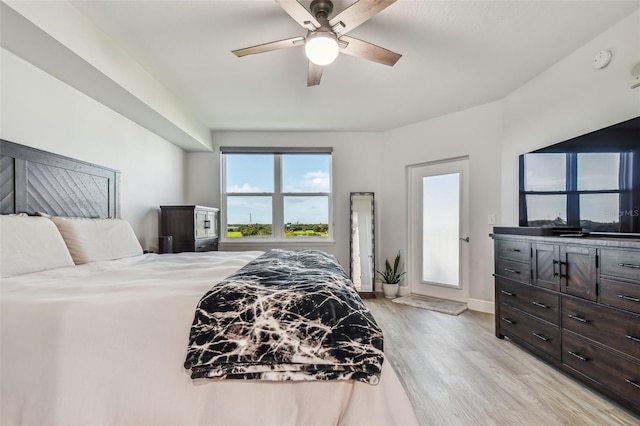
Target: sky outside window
(545, 172)
(249, 210)
(306, 210)
(601, 208)
(541, 208)
(306, 173)
(249, 173)
(597, 171)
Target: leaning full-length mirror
(362, 242)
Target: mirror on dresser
(362, 243)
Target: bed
(93, 331)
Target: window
(282, 194)
(441, 229)
(573, 189)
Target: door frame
(413, 261)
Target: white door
(438, 255)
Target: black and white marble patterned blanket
(287, 315)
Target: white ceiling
(456, 54)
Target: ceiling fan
(326, 37)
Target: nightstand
(193, 227)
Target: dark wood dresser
(193, 228)
(575, 303)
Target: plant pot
(389, 290)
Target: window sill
(259, 244)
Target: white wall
(46, 34)
(355, 168)
(42, 112)
(569, 99)
(476, 133)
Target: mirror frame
(371, 293)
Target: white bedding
(105, 342)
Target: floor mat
(433, 304)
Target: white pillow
(30, 244)
(90, 240)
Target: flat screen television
(590, 182)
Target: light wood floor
(457, 372)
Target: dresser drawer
(620, 263)
(621, 295)
(207, 244)
(516, 271)
(535, 301)
(542, 335)
(613, 328)
(620, 375)
(513, 250)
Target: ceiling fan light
(322, 48)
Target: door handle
(465, 239)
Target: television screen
(590, 182)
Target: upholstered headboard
(32, 180)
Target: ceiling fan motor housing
(321, 9)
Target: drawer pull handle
(507, 320)
(629, 265)
(541, 337)
(580, 357)
(506, 292)
(630, 337)
(513, 271)
(540, 305)
(574, 317)
(629, 298)
(631, 382)
(512, 249)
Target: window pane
(249, 217)
(249, 172)
(545, 172)
(598, 171)
(441, 229)
(600, 212)
(306, 173)
(306, 216)
(547, 210)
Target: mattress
(105, 343)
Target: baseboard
(481, 306)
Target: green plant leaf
(392, 274)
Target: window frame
(277, 196)
(572, 207)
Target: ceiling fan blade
(366, 50)
(314, 75)
(358, 13)
(298, 12)
(267, 47)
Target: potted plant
(391, 277)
